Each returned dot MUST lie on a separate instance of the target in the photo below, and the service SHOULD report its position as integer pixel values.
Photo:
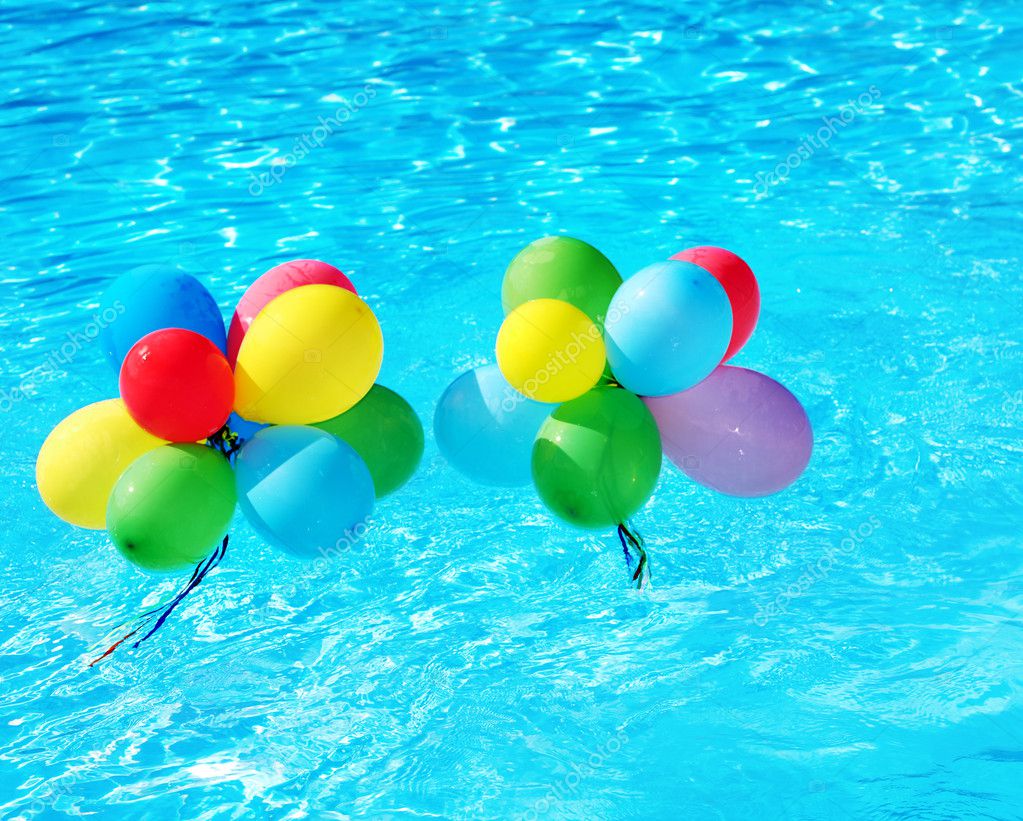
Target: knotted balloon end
(629, 537)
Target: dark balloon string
(629, 536)
(625, 549)
(158, 615)
(200, 573)
(225, 441)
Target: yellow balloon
(84, 456)
(309, 355)
(550, 351)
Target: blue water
(473, 658)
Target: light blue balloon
(152, 297)
(485, 428)
(667, 328)
(304, 490)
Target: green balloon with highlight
(172, 506)
(561, 268)
(597, 458)
(385, 431)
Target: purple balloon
(737, 431)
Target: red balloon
(177, 385)
(270, 286)
(739, 283)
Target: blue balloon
(304, 490)
(667, 328)
(485, 428)
(245, 428)
(152, 297)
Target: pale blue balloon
(667, 328)
(485, 428)
(304, 490)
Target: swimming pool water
(851, 647)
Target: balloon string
(142, 617)
(164, 610)
(628, 535)
(225, 441)
(211, 562)
(114, 646)
(625, 547)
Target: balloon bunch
(287, 397)
(306, 351)
(595, 376)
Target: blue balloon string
(198, 576)
(625, 547)
(628, 535)
(141, 621)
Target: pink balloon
(738, 432)
(271, 285)
(739, 283)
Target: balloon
(667, 328)
(171, 506)
(561, 268)
(304, 490)
(152, 297)
(550, 351)
(485, 428)
(311, 354)
(177, 385)
(597, 459)
(271, 285)
(738, 432)
(386, 433)
(82, 458)
(739, 283)
(245, 428)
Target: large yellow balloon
(550, 351)
(84, 456)
(310, 354)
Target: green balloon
(386, 433)
(561, 268)
(171, 506)
(597, 458)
